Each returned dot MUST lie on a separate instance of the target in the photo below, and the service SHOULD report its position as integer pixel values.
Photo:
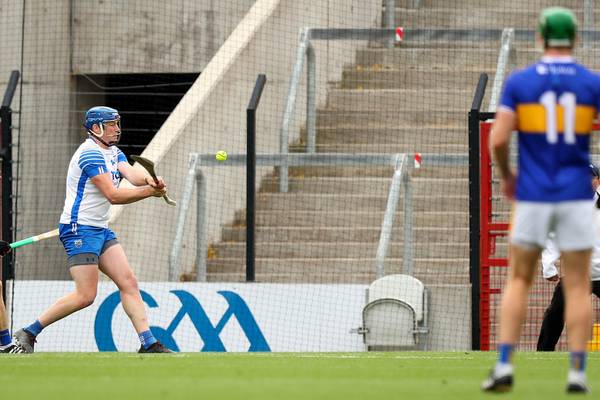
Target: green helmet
(558, 27)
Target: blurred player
(554, 320)
(551, 104)
(6, 345)
(93, 179)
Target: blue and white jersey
(84, 203)
(555, 101)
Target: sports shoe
(498, 383)
(157, 347)
(577, 383)
(12, 349)
(25, 340)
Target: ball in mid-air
(221, 155)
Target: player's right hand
(160, 184)
(159, 192)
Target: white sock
(503, 369)
(576, 377)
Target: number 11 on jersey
(568, 102)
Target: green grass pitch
(278, 376)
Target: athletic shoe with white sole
(577, 383)
(12, 349)
(500, 379)
(25, 340)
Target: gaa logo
(78, 243)
(192, 309)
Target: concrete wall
(62, 37)
(45, 140)
(143, 37)
(211, 117)
(449, 317)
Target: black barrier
(261, 80)
(6, 178)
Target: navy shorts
(85, 244)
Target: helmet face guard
(558, 27)
(101, 116)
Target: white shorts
(573, 223)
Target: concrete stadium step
(334, 234)
(426, 170)
(372, 186)
(399, 99)
(440, 135)
(469, 58)
(348, 218)
(496, 17)
(364, 202)
(359, 77)
(467, 5)
(333, 250)
(589, 57)
(451, 18)
(452, 117)
(338, 265)
(383, 148)
(347, 278)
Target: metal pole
(474, 211)
(201, 245)
(311, 101)
(390, 17)
(250, 194)
(407, 263)
(588, 21)
(7, 204)
(505, 56)
(181, 218)
(251, 176)
(290, 106)
(7, 266)
(388, 219)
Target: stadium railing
(401, 163)
(306, 52)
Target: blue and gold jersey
(555, 101)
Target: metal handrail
(195, 177)
(506, 57)
(11, 87)
(401, 178)
(588, 20)
(390, 20)
(306, 51)
(400, 162)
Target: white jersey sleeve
(84, 202)
(595, 270)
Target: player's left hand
(157, 185)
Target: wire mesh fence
(180, 73)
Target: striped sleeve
(92, 163)
(120, 156)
